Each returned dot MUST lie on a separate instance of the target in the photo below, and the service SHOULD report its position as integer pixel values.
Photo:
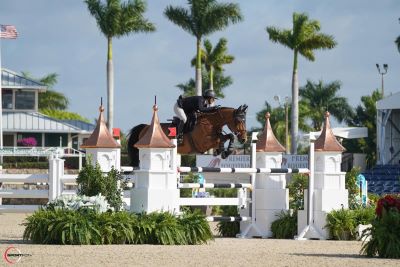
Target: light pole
(286, 106)
(383, 72)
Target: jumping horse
(207, 133)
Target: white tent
(346, 132)
(388, 129)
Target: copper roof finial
(267, 142)
(154, 136)
(327, 140)
(101, 136)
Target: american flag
(8, 32)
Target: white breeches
(180, 113)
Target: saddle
(190, 123)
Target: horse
(207, 133)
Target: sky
(61, 36)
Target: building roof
(154, 136)
(101, 136)
(83, 125)
(327, 141)
(31, 121)
(267, 141)
(13, 80)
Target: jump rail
(227, 219)
(209, 185)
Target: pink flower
(29, 141)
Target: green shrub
(91, 181)
(383, 237)
(229, 229)
(190, 178)
(364, 215)
(26, 165)
(160, 228)
(352, 187)
(341, 224)
(296, 187)
(285, 227)
(373, 199)
(21, 159)
(188, 160)
(196, 228)
(84, 227)
(117, 227)
(62, 227)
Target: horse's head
(238, 124)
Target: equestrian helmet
(209, 94)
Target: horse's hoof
(224, 155)
(216, 152)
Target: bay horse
(207, 133)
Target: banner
(243, 161)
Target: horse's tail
(133, 137)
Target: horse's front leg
(221, 150)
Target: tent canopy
(389, 102)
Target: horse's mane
(215, 111)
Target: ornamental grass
(89, 227)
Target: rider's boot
(180, 132)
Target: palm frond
(318, 41)
(283, 37)
(181, 17)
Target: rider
(191, 104)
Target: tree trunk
(295, 106)
(199, 90)
(110, 87)
(211, 78)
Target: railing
(56, 184)
(40, 151)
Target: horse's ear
(245, 108)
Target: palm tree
(220, 82)
(320, 97)
(365, 116)
(116, 19)
(214, 58)
(201, 19)
(278, 120)
(50, 99)
(303, 39)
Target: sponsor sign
(295, 161)
(233, 161)
(243, 161)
